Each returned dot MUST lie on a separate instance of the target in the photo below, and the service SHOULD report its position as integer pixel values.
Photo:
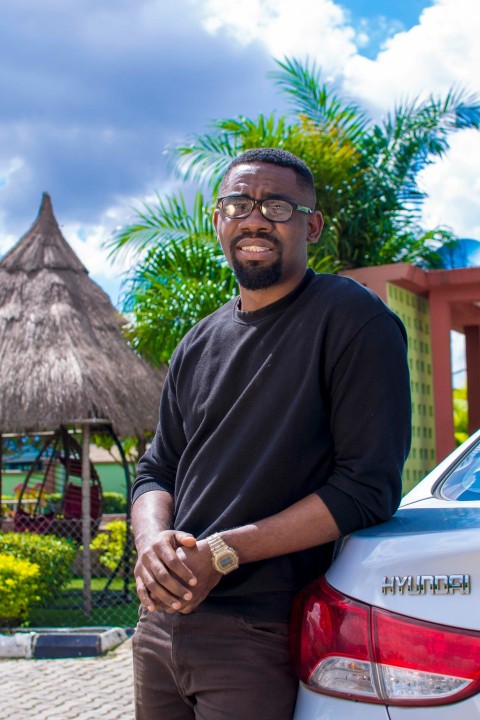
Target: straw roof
(63, 358)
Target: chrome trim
(426, 584)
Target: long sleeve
(370, 425)
(157, 468)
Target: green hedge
(53, 555)
(113, 502)
(6, 510)
(19, 585)
(111, 544)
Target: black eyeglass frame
(259, 204)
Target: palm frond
(179, 283)
(366, 182)
(264, 131)
(310, 97)
(165, 221)
(206, 158)
(418, 132)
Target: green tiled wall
(415, 314)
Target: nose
(255, 222)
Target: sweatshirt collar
(279, 306)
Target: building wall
(414, 312)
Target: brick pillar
(440, 320)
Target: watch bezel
(231, 555)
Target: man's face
(264, 253)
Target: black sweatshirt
(260, 409)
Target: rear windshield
(463, 483)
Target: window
(463, 483)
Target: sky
(95, 92)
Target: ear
(315, 227)
(216, 215)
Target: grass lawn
(115, 610)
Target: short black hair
(274, 156)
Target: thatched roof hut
(63, 358)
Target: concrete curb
(62, 642)
(18, 645)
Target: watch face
(226, 561)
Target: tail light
(346, 648)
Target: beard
(254, 275)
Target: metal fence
(64, 560)
(103, 596)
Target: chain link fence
(48, 577)
(106, 597)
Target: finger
(165, 558)
(144, 596)
(162, 565)
(187, 609)
(185, 539)
(183, 557)
(162, 588)
(169, 610)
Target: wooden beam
(86, 522)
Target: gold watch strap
(217, 544)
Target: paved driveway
(97, 688)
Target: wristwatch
(224, 558)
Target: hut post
(86, 521)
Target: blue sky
(94, 93)
(382, 19)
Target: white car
(392, 631)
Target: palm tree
(366, 182)
(365, 173)
(181, 275)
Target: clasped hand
(174, 573)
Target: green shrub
(53, 502)
(111, 543)
(114, 502)
(6, 510)
(19, 584)
(460, 415)
(53, 555)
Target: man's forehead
(259, 174)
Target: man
(284, 424)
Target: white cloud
(12, 170)
(302, 28)
(8, 168)
(99, 145)
(7, 240)
(89, 240)
(440, 52)
(453, 186)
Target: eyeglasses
(274, 209)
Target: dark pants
(206, 666)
